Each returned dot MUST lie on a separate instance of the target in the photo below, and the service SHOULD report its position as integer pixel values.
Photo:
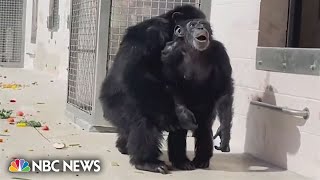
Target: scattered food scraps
(31, 150)
(59, 145)
(21, 124)
(10, 86)
(5, 114)
(13, 100)
(1, 140)
(139, 172)
(11, 120)
(41, 103)
(73, 145)
(20, 113)
(34, 123)
(45, 128)
(114, 164)
(30, 123)
(6, 130)
(20, 178)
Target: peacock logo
(19, 165)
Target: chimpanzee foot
(184, 165)
(201, 164)
(159, 167)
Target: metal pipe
(301, 113)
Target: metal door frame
(95, 119)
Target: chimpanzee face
(196, 33)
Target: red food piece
(20, 113)
(45, 128)
(10, 120)
(13, 100)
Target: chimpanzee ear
(178, 31)
(176, 16)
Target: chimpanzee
(198, 75)
(133, 94)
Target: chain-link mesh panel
(126, 13)
(82, 60)
(11, 31)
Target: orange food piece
(1, 140)
(20, 113)
(11, 120)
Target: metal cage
(97, 27)
(12, 29)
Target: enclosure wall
(280, 139)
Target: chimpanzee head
(196, 33)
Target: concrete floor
(31, 143)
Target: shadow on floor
(234, 162)
(230, 162)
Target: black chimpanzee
(133, 95)
(198, 74)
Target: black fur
(133, 94)
(209, 89)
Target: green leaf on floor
(31, 123)
(5, 114)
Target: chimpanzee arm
(171, 56)
(225, 91)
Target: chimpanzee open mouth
(201, 38)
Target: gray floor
(35, 143)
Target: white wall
(280, 139)
(29, 47)
(51, 54)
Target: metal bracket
(289, 60)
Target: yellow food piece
(22, 125)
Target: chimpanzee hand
(186, 118)
(224, 136)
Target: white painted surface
(51, 53)
(280, 139)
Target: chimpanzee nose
(200, 26)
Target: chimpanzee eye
(192, 24)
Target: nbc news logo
(23, 166)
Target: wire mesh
(82, 58)
(55, 13)
(125, 13)
(11, 31)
